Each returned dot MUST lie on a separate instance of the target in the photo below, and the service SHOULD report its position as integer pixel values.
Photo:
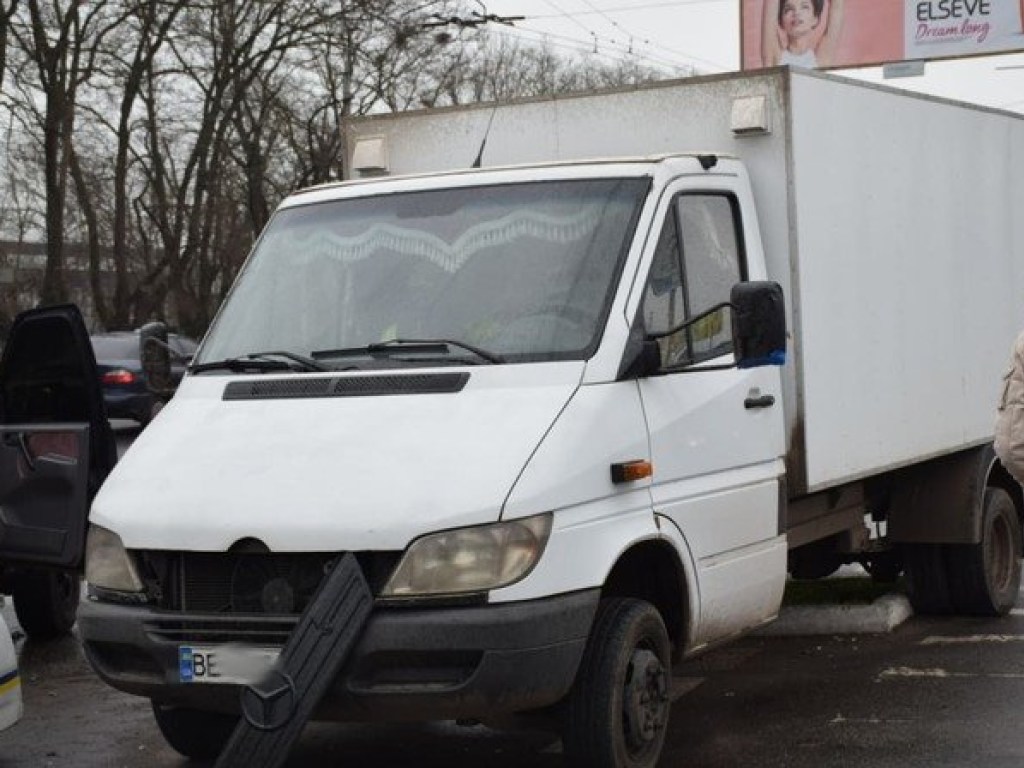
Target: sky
(706, 34)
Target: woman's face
(798, 17)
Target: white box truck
(578, 411)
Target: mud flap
(276, 709)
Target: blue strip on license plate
(186, 667)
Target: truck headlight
(107, 564)
(470, 559)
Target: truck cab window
(697, 261)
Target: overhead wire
(612, 22)
(646, 6)
(571, 17)
(583, 46)
(604, 13)
(614, 49)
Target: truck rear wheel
(984, 578)
(192, 732)
(46, 602)
(617, 712)
(924, 565)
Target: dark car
(125, 391)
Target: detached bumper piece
(275, 710)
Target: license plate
(226, 664)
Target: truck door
(56, 445)
(716, 431)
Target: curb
(883, 615)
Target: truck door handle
(762, 401)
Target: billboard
(857, 33)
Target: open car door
(56, 445)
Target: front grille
(280, 584)
(262, 631)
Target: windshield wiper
(262, 361)
(426, 346)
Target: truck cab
(541, 405)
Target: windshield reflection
(524, 271)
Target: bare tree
(224, 50)
(150, 23)
(61, 42)
(6, 15)
(165, 132)
(487, 68)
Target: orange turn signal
(630, 471)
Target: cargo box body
(891, 220)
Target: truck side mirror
(155, 355)
(759, 324)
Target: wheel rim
(646, 701)
(999, 554)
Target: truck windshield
(522, 272)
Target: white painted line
(911, 672)
(840, 720)
(972, 639)
(936, 673)
(1017, 611)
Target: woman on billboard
(803, 33)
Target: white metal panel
(910, 272)
(905, 239)
(601, 425)
(330, 473)
(741, 592)
(596, 520)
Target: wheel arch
(652, 570)
(939, 501)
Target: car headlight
(470, 559)
(107, 564)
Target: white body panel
(876, 209)
(909, 242)
(329, 474)
(10, 683)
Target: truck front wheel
(984, 578)
(192, 732)
(617, 712)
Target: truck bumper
(409, 664)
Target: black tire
(814, 561)
(984, 578)
(46, 602)
(194, 733)
(617, 712)
(924, 565)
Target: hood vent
(347, 386)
